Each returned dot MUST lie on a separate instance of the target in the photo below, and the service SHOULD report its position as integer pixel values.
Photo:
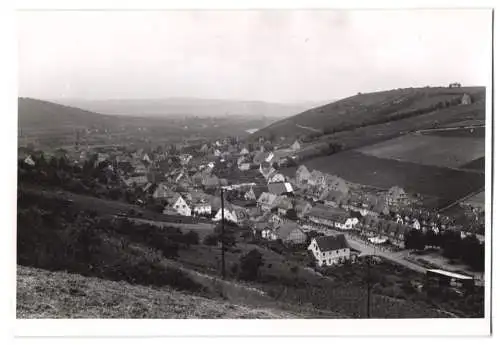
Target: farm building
(329, 217)
(330, 250)
(290, 232)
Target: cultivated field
(443, 149)
(476, 200)
(446, 184)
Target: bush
(250, 265)
(294, 269)
(95, 247)
(192, 237)
(211, 240)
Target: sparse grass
(45, 294)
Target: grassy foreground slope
(46, 294)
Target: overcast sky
(279, 56)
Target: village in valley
(232, 164)
(269, 196)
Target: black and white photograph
(254, 164)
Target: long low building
(437, 278)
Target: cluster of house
(260, 195)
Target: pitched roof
(323, 212)
(335, 195)
(211, 181)
(267, 198)
(279, 188)
(285, 229)
(283, 202)
(333, 242)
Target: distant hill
(188, 107)
(368, 109)
(38, 114)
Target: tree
(431, 238)
(192, 237)
(291, 214)
(210, 240)
(472, 252)
(250, 265)
(451, 244)
(414, 239)
(228, 237)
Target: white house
(146, 158)
(249, 194)
(330, 250)
(217, 153)
(349, 224)
(244, 151)
(202, 209)
(229, 215)
(28, 160)
(295, 146)
(180, 205)
(416, 224)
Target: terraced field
(449, 149)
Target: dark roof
(285, 229)
(334, 242)
(276, 188)
(328, 213)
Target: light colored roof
(267, 198)
(450, 274)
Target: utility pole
(369, 283)
(368, 287)
(222, 234)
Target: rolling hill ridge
(370, 109)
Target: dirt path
(309, 128)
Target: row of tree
(468, 249)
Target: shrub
(211, 240)
(192, 237)
(250, 265)
(95, 247)
(294, 269)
